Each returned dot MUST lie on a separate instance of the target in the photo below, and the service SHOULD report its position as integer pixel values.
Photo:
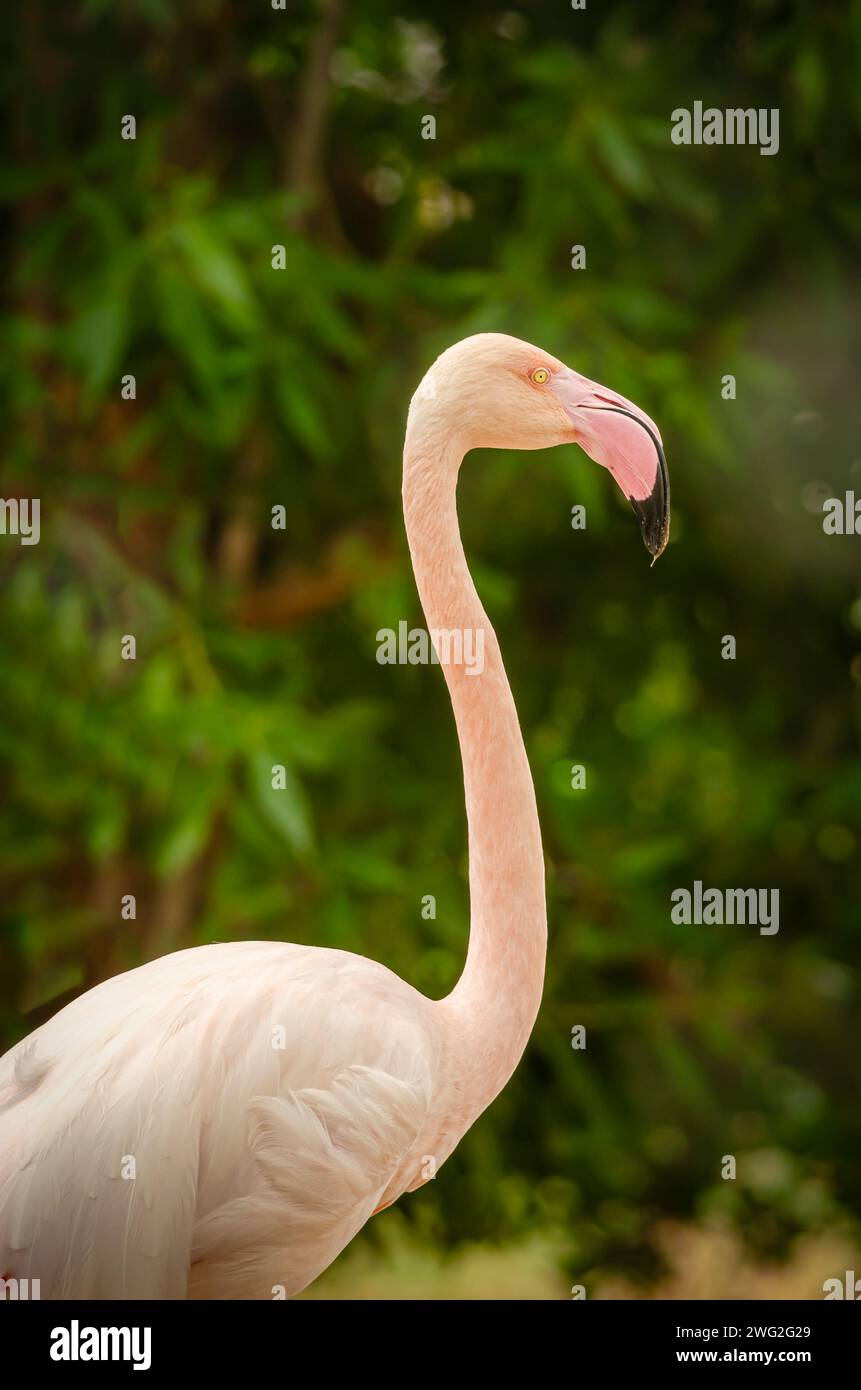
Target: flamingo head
(497, 392)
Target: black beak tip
(653, 512)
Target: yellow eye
(539, 376)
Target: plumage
(260, 1089)
(219, 1123)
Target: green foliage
(258, 387)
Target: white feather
(254, 1162)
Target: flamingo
(219, 1123)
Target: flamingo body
(257, 1151)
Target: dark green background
(257, 387)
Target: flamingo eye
(539, 376)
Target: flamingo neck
(491, 1011)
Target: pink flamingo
(221, 1122)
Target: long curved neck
(494, 1004)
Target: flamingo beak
(623, 439)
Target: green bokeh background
(258, 387)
